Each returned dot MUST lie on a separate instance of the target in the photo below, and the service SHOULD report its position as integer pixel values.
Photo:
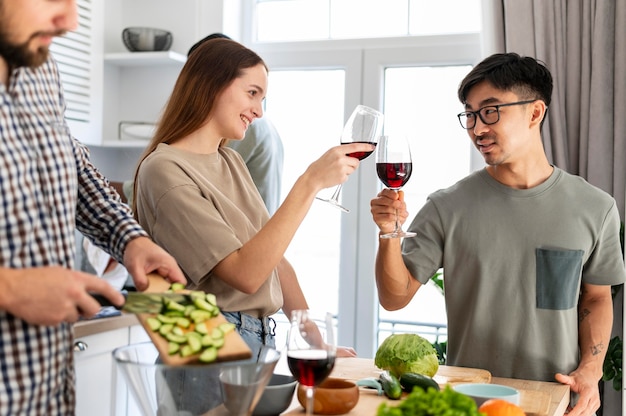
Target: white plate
(136, 131)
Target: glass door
(415, 86)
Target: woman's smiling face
(240, 103)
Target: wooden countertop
(96, 326)
(537, 398)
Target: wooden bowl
(334, 396)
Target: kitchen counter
(537, 398)
(95, 326)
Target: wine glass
(311, 350)
(394, 168)
(364, 126)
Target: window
(294, 20)
(314, 86)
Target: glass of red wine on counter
(394, 167)
(311, 350)
(364, 126)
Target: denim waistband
(265, 325)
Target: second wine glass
(363, 126)
(394, 167)
(311, 350)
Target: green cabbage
(407, 353)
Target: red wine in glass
(394, 175)
(310, 367)
(311, 350)
(394, 167)
(363, 126)
(361, 155)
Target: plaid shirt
(48, 187)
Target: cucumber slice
(166, 319)
(173, 348)
(201, 328)
(153, 323)
(226, 327)
(177, 338)
(208, 355)
(195, 343)
(199, 315)
(175, 287)
(211, 299)
(204, 305)
(172, 305)
(207, 340)
(186, 350)
(183, 322)
(166, 329)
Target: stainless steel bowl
(146, 39)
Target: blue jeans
(194, 391)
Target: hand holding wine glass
(394, 167)
(311, 350)
(364, 126)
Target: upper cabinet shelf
(144, 58)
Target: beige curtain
(583, 42)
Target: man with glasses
(529, 252)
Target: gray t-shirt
(513, 264)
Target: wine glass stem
(397, 227)
(335, 196)
(309, 400)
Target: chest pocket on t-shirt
(558, 272)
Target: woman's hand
(346, 352)
(335, 166)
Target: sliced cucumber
(208, 355)
(153, 323)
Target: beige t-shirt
(200, 208)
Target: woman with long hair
(196, 199)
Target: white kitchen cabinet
(100, 387)
(95, 371)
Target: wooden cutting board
(234, 348)
(358, 368)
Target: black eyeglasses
(488, 115)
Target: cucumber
(410, 380)
(174, 323)
(391, 385)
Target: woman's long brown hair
(209, 70)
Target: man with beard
(48, 187)
(529, 252)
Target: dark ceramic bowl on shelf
(146, 39)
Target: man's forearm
(595, 325)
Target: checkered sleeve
(100, 213)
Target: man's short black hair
(216, 35)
